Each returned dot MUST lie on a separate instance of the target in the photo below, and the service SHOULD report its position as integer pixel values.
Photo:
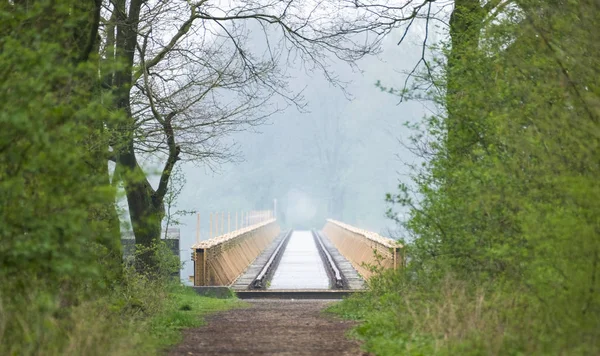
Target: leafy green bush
(450, 317)
(141, 315)
(504, 255)
(63, 286)
(59, 236)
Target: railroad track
(262, 279)
(336, 278)
(265, 274)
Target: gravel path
(271, 327)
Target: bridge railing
(220, 260)
(366, 250)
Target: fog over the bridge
(338, 158)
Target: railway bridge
(262, 261)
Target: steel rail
(334, 273)
(259, 281)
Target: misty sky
(343, 148)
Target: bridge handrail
(230, 236)
(373, 236)
(367, 251)
(220, 260)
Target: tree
(331, 144)
(186, 78)
(509, 193)
(57, 227)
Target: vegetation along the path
(502, 235)
(500, 217)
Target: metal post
(211, 226)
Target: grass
(139, 317)
(448, 319)
(453, 317)
(183, 309)
(378, 329)
(136, 314)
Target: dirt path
(271, 327)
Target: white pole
(198, 229)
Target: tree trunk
(146, 209)
(465, 27)
(87, 41)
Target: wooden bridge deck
(304, 276)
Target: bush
(504, 255)
(399, 316)
(140, 316)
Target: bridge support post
(200, 267)
(398, 258)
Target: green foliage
(63, 286)
(58, 243)
(164, 262)
(507, 202)
(141, 315)
(50, 167)
(402, 314)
